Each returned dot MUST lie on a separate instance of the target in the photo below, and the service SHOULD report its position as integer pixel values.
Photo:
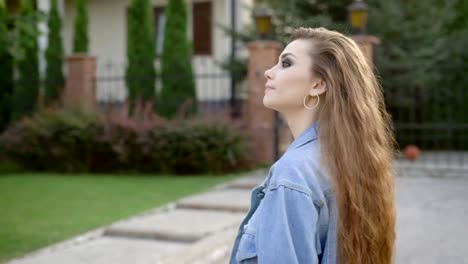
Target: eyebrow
(286, 54)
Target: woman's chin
(268, 104)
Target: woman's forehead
(298, 47)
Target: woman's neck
(298, 121)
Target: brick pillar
(366, 44)
(260, 120)
(80, 90)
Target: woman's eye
(285, 64)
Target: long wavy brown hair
(357, 143)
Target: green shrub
(178, 84)
(6, 68)
(8, 166)
(140, 74)
(54, 78)
(121, 146)
(196, 147)
(75, 142)
(51, 141)
(26, 89)
(80, 35)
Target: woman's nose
(268, 74)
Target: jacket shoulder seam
(289, 185)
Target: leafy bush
(76, 142)
(55, 141)
(196, 147)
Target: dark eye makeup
(285, 63)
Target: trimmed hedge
(75, 142)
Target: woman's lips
(268, 88)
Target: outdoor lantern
(358, 16)
(263, 22)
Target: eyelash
(285, 61)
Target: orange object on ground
(411, 152)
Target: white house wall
(107, 41)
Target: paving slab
(105, 250)
(185, 225)
(247, 182)
(432, 217)
(214, 249)
(233, 200)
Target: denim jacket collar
(306, 136)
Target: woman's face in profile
(291, 79)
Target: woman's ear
(318, 88)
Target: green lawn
(40, 209)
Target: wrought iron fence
(435, 119)
(219, 91)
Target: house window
(159, 23)
(202, 28)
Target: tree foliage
(6, 68)
(54, 54)
(415, 49)
(422, 59)
(295, 13)
(26, 88)
(80, 36)
(140, 72)
(178, 84)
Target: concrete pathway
(431, 228)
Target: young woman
(329, 198)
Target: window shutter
(202, 28)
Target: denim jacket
(292, 217)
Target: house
(107, 30)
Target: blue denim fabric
(292, 218)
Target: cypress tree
(6, 68)
(140, 72)
(54, 80)
(80, 36)
(26, 89)
(178, 83)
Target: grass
(40, 209)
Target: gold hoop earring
(310, 108)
